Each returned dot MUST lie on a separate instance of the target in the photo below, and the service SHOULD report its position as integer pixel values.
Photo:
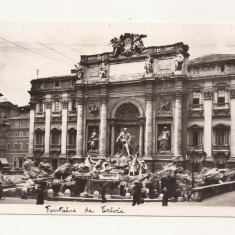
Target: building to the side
(166, 103)
(18, 138)
(7, 109)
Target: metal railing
(224, 147)
(221, 105)
(196, 106)
(195, 148)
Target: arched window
(127, 111)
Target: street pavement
(223, 200)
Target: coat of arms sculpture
(127, 44)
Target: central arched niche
(127, 111)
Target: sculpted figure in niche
(125, 138)
(103, 73)
(93, 140)
(179, 58)
(149, 65)
(164, 139)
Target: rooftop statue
(103, 73)
(148, 65)
(179, 58)
(78, 71)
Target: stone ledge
(201, 193)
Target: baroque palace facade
(166, 103)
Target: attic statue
(179, 58)
(148, 65)
(103, 73)
(79, 70)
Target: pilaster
(232, 105)
(208, 96)
(64, 104)
(103, 125)
(31, 128)
(48, 105)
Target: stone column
(141, 138)
(64, 104)
(47, 126)
(208, 96)
(79, 127)
(103, 126)
(232, 107)
(149, 124)
(177, 119)
(31, 128)
(113, 141)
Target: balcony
(195, 108)
(39, 148)
(218, 107)
(55, 148)
(195, 148)
(221, 149)
(56, 113)
(71, 147)
(72, 113)
(40, 114)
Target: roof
(212, 58)
(55, 77)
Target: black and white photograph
(117, 118)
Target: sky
(54, 48)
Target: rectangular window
(222, 67)
(20, 146)
(40, 106)
(8, 133)
(57, 83)
(73, 105)
(16, 123)
(72, 139)
(196, 97)
(56, 106)
(221, 137)
(21, 133)
(40, 138)
(16, 147)
(195, 138)
(55, 138)
(15, 133)
(27, 146)
(8, 146)
(21, 123)
(221, 97)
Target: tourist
(165, 197)
(40, 197)
(189, 195)
(136, 194)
